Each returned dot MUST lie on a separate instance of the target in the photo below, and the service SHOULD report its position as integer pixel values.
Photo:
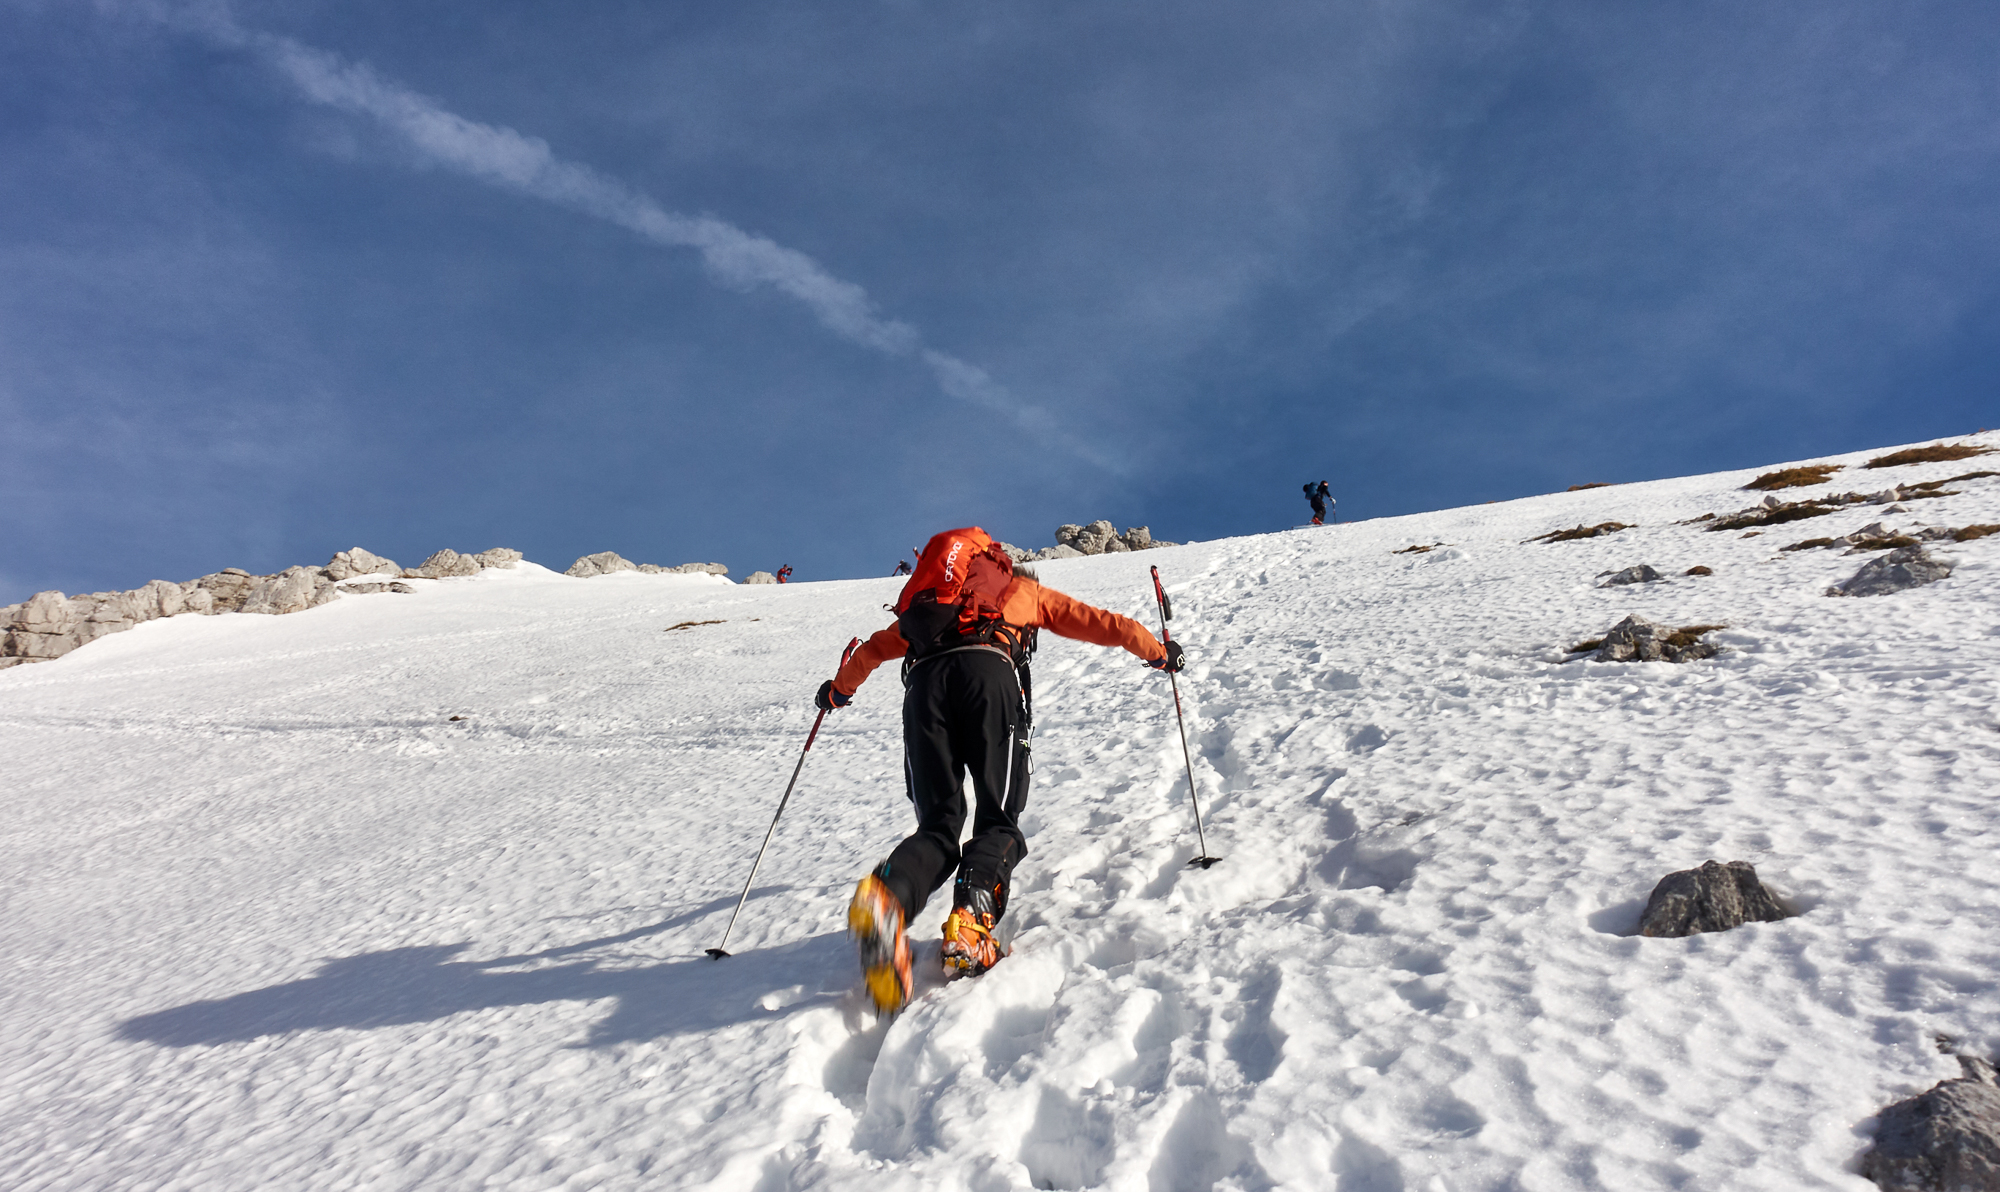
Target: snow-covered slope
(274, 919)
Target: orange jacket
(1030, 606)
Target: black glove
(828, 699)
(1173, 662)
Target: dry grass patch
(1971, 532)
(1935, 453)
(1571, 535)
(1699, 571)
(1794, 477)
(691, 625)
(1595, 643)
(1577, 488)
(1418, 549)
(1681, 639)
(1795, 511)
(1815, 544)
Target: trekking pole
(716, 952)
(1194, 798)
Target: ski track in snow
(272, 920)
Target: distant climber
(965, 623)
(1321, 497)
(785, 573)
(902, 567)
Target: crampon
(875, 920)
(969, 947)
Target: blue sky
(782, 282)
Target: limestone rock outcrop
(1715, 897)
(760, 577)
(293, 590)
(445, 564)
(1097, 538)
(42, 627)
(449, 564)
(49, 625)
(227, 588)
(604, 562)
(350, 563)
(610, 561)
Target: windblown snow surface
(273, 918)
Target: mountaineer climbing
(1320, 497)
(966, 625)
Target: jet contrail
(526, 165)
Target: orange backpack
(953, 597)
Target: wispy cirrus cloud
(526, 165)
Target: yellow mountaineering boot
(875, 920)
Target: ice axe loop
(1194, 797)
(717, 952)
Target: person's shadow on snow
(423, 984)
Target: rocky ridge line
(50, 624)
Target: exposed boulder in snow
(371, 588)
(1639, 574)
(609, 562)
(685, 569)
(292, 590)
(445, 564)
(1905, 567)
(449, 564)
(1944, 1140)
(604, 562)
(1097, 538)
(356, 561)
(760, 577)
(1635, 639)
(1715, 897)
(1090, 539)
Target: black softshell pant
(962, 713)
